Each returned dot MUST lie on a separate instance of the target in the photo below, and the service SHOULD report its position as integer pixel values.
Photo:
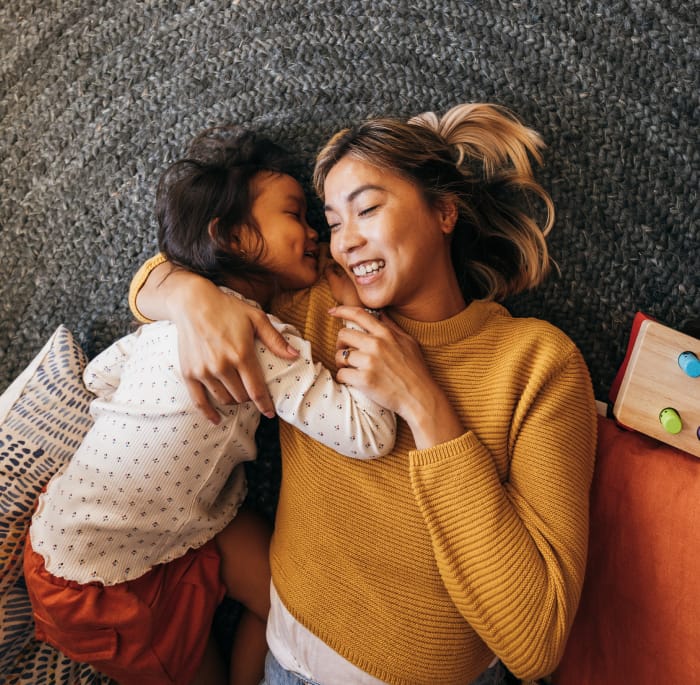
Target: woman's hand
(216, 334)
(386, 364)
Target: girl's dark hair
(478, 156)
(204, 199)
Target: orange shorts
(150, 631)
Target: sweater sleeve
(512, 554)
(137, 282)
(103, 374)
(306, 396)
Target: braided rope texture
(96, 98)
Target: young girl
(467, 544)
(135, 543)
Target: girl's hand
(386, 364)
(343, 289)
(216, 334)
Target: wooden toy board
(654, 381)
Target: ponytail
(502, 251)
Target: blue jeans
(276, 675)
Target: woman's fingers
(201, 400)
(252, 379)
(371, 322)
(250, 373)
(229, 379)
(271, 337)
(226, 389)
(342, 357)
(249, 369)
(382, 360)
(351, 357)
(218, 343)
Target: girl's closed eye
(297, 214)
(369, 210)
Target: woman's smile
(369, 268)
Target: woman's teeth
(368, 268)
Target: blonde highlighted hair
(479, 157)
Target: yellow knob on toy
(671, 421)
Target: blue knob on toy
(689, 362)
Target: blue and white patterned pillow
(43, 418)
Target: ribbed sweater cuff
(137, 283)
(445, 450)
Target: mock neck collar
(462, 325)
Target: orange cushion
(639, 616)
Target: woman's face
(392, 244)
(291, 245)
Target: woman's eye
(369, 210)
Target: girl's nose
(311, 233)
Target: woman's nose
(347, 237)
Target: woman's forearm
(150, 302)
(139, 281)
(166, 289)
(420, 411)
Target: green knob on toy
(671, 420)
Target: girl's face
(392, 244)
(291, 245)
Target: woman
(468, 541)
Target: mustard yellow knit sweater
(419, 566)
